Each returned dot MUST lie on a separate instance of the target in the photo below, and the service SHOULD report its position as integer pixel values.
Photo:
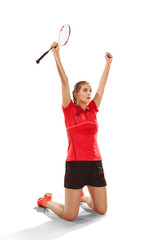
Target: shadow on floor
(57, 227)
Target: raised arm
(98, 96)
(66, 98)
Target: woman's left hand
(108, 57)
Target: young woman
(83, 165)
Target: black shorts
(81, 173)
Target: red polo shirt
(82, 128)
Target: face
(84, 94)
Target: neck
(82, 104)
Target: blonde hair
(77, 87)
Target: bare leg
(98, 199)
(69, 210)
(55, 207)
(89, 201)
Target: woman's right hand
(55, 48)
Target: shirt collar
(80, 109)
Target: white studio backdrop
(33, 139)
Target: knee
(71, 217)
(102, 210)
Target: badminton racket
(64, 35)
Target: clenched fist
(108, 57)
(55, 48)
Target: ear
(75, 94)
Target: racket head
(64, 34)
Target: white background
(33, 139)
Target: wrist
(57, 57)
(56, 54)
(108, 63)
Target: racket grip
(38, 60)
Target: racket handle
(38, 60)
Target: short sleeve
(69, 107)
(93, 106)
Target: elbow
(64, 80)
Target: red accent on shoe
(41, 202)
(82, 194)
